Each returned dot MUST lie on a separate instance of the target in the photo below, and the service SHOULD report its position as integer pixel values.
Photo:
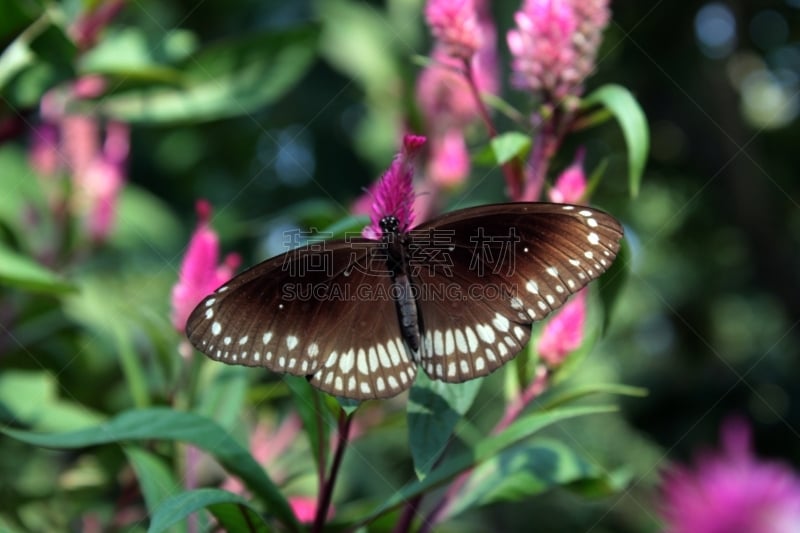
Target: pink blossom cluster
(554, 45)
(93, 153)
(394, 193)
(465, 38)
(731, 490)
(200, 274)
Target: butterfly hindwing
(504, 267)
(324, 314)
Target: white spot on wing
(449, 344)
(461, 342)
(216, 328)
(438, 342)
(471, 339)
(209, 313)
(500, 322)
(266, 338)
(361, 361)
(532, 287)
(486, 333)
(347, 361)
(313, 349)
(291, 342)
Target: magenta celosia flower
(99, 185)
(731, 491)
(305, 508)
(570, 186)
(443, 89)
(555, 43)
(448, 159)
(454, 24)
(563, 334)
(593, 17)
(543, 54)
(199, 273)
(394, 194)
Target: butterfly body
(455, 296)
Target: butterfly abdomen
(407, 310)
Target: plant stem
(512, 170)
(326, 495)
(320, 441)
(407, 518)
(534, 389)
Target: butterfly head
(390, 226)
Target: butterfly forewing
(504, 266)
(325, 314)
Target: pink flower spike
(543, 49)
(563, 334)
(305, 508)
(199, 274)
(394, 195)
(454, 24)
(448, 163)
(570, 186)
(731, 490)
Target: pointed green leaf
(155, 478)
(522, 471)
(509, 145)
(232, 512)
(17, 270)
(521, 429)
(49, 411)
(434, 408)
(581, 391)
(633, 122)
(167, 424)
(232, 78)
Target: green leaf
(145, 223)
(434, 409)
(22, 191)
(581, 391)
(155, 479)
(231, 510)
(232, 78)
(509, 145)
(631, 118)
(521, 429)
(31, 398)
(522, 471)
(224, 393)
(167, 424)
(24, 273)
(45, 43)
(315, 416)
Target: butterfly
(455, 296)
